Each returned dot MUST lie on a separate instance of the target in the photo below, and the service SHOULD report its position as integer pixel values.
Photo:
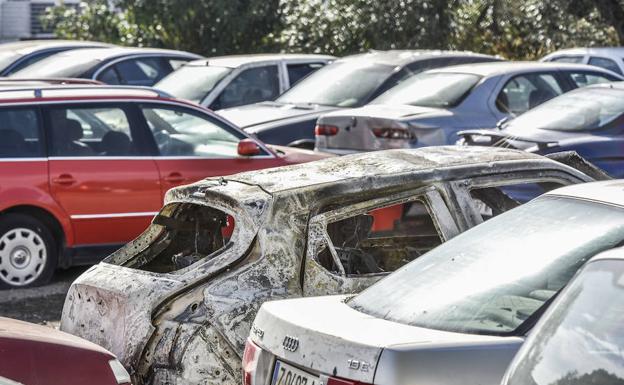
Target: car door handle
(64, 180)
(174, 178)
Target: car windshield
(192, 82)
(341, 84)
(430, 90)
(62, 66)
(581, 341)
(492, 278)
(7, 58)
(580, 110)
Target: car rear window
(19, 130)
(581, 341)
(580, 110)
(192, 82)
(496, 276)
(340, 84)
(181, 235)
(430, 90)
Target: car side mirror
(248, 147)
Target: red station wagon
(85, 168)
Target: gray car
(580, 339)
(430, 108)
(231, 81)
(119, 65)
(455, 316)
(348, 82)
(20, 54)
(176, 304)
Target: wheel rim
(22, 256)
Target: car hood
(251, 115)
(330, 333)
(386, 111)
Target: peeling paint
(188, 326)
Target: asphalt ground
(41, 305)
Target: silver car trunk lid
(356, 127)
(334, 339)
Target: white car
(610, 58)
(580, 339)
(236, 80)
(456, 315)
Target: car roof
(19, 330)
(35, 82)
(606, 192)
(501, 68)
(103, 54)
(379, 164)
(619, 51)
(28, 92)
(609, 85)
(29, 46)
(233, 61)
(404, 57)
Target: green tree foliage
(346, 26)
(207, 27)
(514, 29)
(527, 29)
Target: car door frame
(565, 73)
(463, 203)
(111, 63)
(92, 252)
(619, 63)
(223, 83)
(432, 195)
(506, 78)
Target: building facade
(21, 19)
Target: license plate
(285, 374)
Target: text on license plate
(285, 374)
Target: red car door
(99, 172)
(193, 145)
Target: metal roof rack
(38, 91)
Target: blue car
(588, 120)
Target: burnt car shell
(189, 324)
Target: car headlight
(121, 374)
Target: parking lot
(42, 305)
(292, 192)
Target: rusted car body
(177, 303)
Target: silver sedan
(456, 315)
(430, 108)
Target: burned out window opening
(189, 233)
(494, 200)
(375, 238)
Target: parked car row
(433, 263)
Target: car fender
(14, 197)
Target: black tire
(23, 242)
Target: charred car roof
(387, 164)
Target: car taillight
(342, 381)
(325, 130)
(392, 133)
(250, 361)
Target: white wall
(15, 20)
